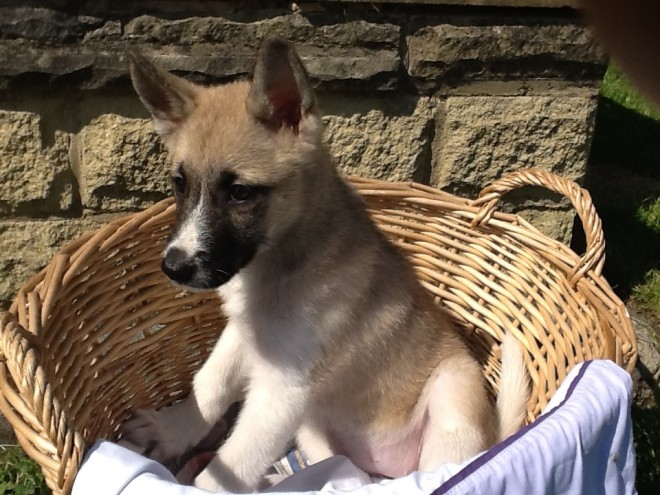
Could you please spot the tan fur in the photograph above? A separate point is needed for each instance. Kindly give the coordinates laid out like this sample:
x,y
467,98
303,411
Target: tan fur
x,y
328,323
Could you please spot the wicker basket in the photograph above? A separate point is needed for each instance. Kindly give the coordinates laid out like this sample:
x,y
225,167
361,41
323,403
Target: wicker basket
x,y
100,331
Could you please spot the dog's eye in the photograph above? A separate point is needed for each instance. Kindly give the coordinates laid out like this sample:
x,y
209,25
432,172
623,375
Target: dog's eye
x,y
240,192
179,183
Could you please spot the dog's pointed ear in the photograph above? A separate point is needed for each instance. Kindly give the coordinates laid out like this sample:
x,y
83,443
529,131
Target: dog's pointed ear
x,y
281,93
169,99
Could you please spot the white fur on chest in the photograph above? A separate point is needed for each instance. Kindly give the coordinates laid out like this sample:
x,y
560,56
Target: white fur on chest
x,y
276,338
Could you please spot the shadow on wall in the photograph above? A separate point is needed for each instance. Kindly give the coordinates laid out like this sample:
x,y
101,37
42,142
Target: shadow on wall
x,y
624,175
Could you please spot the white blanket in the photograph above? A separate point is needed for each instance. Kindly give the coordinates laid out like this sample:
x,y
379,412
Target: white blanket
x,y
581,444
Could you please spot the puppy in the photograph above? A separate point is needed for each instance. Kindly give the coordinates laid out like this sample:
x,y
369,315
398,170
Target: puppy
x,y
331,340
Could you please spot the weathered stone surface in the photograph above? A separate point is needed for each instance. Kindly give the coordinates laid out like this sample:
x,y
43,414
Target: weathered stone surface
x,y
647,372
123,164
27,246
479,139
296,28
446,54
89,67
36,178
35,23
7,436
359,53
387,141
556,223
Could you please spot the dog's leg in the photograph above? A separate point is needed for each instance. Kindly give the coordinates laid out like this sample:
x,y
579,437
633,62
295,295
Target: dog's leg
x,y
460,421
314,443
166,434
271,415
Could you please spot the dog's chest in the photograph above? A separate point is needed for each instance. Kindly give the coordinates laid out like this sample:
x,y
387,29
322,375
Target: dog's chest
x,y
276,336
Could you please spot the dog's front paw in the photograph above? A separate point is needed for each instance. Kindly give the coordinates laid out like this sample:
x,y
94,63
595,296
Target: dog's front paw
x,y
150,433
208,481
217,476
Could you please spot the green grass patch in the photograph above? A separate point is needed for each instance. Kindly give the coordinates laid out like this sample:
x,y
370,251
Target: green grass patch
x,y
617,88
20,475
649,215
647,294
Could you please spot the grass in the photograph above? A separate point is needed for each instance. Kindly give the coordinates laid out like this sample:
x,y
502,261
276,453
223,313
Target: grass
x,y
617,88
647,293
20,475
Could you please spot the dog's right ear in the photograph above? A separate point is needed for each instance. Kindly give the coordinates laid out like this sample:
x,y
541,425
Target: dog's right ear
x,y
281,93
169,99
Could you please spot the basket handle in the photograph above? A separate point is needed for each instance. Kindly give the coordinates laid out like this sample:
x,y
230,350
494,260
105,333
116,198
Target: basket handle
x,y
594,257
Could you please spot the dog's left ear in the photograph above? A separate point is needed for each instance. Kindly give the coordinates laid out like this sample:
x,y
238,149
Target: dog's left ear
x,y
281,93
169,99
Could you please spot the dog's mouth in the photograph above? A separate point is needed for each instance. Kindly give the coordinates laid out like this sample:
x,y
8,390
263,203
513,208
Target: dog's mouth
x,y
196,272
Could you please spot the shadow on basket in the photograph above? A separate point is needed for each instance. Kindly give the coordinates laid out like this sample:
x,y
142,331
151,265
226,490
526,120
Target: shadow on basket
x,y
101,331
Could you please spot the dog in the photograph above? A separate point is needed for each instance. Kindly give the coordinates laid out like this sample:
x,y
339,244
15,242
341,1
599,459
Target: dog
x,y
330,340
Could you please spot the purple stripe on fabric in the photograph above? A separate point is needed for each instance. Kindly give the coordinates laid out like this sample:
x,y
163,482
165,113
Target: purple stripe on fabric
x,y
496,449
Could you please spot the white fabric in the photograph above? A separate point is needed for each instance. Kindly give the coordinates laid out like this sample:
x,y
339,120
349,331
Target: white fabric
x,y
581,444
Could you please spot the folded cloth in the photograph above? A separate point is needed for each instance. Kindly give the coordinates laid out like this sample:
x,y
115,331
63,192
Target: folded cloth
x,y
582,443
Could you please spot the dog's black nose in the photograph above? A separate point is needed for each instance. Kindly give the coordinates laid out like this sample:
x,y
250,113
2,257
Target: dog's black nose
x,y
178,266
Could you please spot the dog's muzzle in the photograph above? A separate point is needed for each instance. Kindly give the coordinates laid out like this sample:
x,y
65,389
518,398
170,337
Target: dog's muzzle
x,y
178,266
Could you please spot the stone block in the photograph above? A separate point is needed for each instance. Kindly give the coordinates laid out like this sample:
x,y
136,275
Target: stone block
x,y
384,140
355,51
36,23
556,223
123,164
27,246
445,54
479,139
36,177
7,436
296,28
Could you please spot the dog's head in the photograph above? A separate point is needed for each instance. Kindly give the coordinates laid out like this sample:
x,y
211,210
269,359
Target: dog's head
x,y
239,153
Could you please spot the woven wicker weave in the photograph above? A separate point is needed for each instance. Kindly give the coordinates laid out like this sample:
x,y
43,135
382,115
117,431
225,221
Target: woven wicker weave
x,y
100,331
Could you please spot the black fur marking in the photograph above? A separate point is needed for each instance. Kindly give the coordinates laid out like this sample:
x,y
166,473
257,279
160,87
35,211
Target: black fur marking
x,y
234,230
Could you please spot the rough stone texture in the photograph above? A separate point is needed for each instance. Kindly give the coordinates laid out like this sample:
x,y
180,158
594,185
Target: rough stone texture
x,y
123,164
479,139
36,178
346,47
296,28
27,246
44,24
647,372
361,54
7,436
389,142
555,222
353,51
445,54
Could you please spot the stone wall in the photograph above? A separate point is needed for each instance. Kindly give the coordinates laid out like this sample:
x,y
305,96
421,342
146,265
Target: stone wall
x,y
449,95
